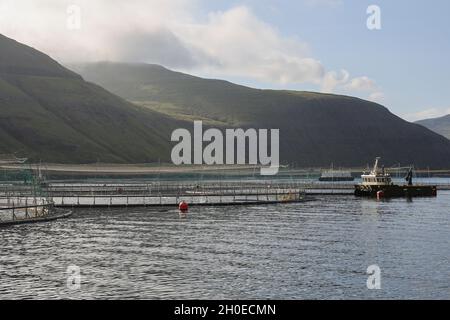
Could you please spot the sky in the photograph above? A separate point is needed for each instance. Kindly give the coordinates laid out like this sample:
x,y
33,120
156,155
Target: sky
x,y
316,45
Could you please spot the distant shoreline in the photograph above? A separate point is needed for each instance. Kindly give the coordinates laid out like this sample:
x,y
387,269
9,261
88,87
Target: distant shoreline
x,y
143,169
124,168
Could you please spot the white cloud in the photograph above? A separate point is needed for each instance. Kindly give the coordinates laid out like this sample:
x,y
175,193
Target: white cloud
x,y
341,82
104,24
232,43
244,45
332,79
361,84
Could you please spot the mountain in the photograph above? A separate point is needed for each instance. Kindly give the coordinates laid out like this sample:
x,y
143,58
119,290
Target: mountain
x,y
439,125
50,113
315,129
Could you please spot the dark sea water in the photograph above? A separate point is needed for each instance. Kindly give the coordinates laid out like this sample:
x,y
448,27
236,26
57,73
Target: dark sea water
x,y
318,249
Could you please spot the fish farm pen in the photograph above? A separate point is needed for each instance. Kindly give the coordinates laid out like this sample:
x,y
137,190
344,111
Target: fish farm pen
x,y
206,192
150,194
24,199
15,208
171,194
26,190
25,209
27,184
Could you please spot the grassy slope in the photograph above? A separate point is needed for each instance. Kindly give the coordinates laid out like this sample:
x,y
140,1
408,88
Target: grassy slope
x,y
50,113
316,129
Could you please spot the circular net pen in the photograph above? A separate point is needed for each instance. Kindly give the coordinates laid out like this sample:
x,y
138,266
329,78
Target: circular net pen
x,y
21,210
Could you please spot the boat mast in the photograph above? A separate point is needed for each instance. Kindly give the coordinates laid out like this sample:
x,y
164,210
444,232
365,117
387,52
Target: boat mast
x,y
375,167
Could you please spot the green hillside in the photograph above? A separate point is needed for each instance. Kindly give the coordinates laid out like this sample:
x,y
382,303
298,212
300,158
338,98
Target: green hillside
x,y
49,113
439,125
315,129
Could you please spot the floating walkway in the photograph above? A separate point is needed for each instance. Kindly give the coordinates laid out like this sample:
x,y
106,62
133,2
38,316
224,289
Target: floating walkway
x,y
157,194
223,198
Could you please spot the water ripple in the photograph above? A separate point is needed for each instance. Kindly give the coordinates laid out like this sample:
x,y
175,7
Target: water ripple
x,y
315,250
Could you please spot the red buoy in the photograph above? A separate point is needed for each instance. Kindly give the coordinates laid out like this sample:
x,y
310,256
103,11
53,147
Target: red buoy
x,y
380,194
183,206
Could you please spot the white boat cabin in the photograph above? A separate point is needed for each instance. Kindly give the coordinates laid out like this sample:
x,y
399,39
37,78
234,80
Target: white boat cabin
x,y
376,177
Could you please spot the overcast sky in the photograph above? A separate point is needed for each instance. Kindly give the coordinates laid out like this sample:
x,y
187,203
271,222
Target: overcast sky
x,y
319,45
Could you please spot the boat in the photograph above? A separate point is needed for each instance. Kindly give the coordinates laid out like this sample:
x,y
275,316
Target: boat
x,y
378,183
336,175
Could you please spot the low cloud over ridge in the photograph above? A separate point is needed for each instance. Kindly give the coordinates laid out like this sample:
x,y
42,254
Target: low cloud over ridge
x,y
231,43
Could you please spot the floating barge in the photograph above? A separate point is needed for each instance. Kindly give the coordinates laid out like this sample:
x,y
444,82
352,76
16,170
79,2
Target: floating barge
x,y
379,184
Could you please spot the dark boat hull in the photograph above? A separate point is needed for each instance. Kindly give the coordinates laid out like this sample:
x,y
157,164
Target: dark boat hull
x,y
396,191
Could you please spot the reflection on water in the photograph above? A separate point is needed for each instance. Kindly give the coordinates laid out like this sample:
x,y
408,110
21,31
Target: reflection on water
x,y
317,249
